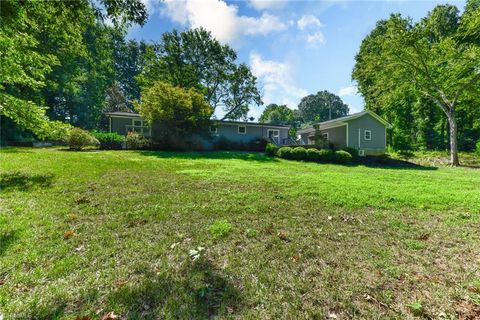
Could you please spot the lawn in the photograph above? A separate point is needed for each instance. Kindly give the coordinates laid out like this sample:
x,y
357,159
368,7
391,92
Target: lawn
x,y
151,235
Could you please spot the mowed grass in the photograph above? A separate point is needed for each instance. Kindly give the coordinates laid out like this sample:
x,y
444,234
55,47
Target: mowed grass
x,y
158,235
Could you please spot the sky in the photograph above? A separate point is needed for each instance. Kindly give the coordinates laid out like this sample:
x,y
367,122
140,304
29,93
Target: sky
x,y
294,48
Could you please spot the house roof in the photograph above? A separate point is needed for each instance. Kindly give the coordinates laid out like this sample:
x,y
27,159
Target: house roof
x,y
121,114
343,120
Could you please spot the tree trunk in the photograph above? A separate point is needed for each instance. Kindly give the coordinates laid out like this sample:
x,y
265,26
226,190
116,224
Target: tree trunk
x,y
452,121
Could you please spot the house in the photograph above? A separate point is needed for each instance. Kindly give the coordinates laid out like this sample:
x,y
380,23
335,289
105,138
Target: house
x,y
365,131
236,131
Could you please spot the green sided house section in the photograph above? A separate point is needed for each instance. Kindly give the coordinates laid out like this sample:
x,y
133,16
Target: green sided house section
x,y
124,122
237,131
364,131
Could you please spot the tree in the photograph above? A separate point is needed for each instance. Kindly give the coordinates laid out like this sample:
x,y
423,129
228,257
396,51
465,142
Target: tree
x,y
322,106
174,113
194,59
36,37
437,58
277,114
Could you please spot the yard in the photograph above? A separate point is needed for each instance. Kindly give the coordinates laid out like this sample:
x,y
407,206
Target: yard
x,y
234,235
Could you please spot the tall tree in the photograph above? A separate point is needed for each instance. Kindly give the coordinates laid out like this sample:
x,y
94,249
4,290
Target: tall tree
x,y
35,38
277,114
194,59
322,106
437,58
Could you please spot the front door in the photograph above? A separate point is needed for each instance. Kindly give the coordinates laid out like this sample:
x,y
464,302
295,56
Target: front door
x,y
274,134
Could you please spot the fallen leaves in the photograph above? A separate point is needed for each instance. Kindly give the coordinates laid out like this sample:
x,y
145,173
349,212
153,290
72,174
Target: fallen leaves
x,y
68,234
467,310
109,316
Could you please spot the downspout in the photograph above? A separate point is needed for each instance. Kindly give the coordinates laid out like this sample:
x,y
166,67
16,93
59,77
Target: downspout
x,y
359,138
110,123
347,135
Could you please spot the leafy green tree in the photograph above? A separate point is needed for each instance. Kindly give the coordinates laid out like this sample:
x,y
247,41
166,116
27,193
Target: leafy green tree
x,y
277,114
44,46
174,113
435,58
321,106
194,59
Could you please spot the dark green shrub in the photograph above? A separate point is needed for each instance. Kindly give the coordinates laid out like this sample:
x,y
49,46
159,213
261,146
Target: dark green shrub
x,y
343,157
477,149
313,155
135,141
325,155
285,152
270,149
109,140
299,153
353,152
77,139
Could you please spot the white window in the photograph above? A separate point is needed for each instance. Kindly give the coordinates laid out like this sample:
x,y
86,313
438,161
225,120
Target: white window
x,y
213,129
242,129
138,123
367,135
274,134
325,135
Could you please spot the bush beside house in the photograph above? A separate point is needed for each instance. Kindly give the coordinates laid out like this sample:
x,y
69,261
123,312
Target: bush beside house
x,y
477,149
109,140
270,149
78,139
315,155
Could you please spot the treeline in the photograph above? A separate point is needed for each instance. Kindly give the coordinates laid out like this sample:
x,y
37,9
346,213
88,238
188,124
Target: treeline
x,y
65,63
423,77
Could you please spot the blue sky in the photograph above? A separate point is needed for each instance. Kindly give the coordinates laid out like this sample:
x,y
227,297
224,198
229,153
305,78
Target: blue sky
x,y
295,48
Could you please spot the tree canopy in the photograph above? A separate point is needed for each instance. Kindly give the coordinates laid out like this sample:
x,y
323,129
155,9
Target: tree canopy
x,y
321,106
404,66
194,59
56,54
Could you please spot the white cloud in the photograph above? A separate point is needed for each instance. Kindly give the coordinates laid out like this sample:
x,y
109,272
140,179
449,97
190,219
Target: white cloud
x,y
348,91
308,20
266,4
276,78
315,38
220,18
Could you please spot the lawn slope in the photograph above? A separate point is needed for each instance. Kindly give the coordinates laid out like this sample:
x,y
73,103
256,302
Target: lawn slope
x,y
87,233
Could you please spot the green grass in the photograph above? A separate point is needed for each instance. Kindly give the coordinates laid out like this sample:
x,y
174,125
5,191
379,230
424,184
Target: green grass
x,y
233,235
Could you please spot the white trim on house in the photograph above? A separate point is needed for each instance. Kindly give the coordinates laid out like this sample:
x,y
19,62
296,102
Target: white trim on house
x,y
275,135
242,126
359,133
325,135
110,123
369,135
347,135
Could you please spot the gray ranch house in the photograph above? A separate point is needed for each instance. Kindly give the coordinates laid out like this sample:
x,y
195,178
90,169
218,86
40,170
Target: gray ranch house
x,y
365,131
236,131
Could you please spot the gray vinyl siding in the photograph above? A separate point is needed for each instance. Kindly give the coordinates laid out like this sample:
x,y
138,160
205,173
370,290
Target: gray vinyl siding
x,y
374,146
336,136
253,132
119,124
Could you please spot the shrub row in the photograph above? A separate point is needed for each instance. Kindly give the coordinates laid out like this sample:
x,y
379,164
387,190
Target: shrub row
x,y
78,139
315,155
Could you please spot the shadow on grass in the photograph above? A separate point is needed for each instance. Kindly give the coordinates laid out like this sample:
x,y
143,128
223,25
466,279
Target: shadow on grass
x,y
238,155
14,150
389,163
23,181
202,293
6,240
